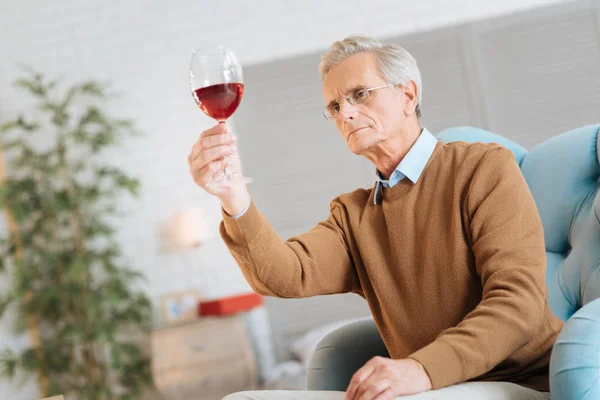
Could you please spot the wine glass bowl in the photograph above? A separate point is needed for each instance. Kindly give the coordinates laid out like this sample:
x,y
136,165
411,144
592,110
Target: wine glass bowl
x,y
219,101
217,86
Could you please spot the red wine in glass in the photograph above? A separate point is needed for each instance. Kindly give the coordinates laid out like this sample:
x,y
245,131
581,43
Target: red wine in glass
x,y
217,85
219,101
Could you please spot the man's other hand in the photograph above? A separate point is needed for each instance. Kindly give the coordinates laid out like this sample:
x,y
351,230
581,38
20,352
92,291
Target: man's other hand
x,y
384,379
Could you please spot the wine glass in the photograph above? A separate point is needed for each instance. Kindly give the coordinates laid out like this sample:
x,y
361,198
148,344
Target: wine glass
x,y
217,86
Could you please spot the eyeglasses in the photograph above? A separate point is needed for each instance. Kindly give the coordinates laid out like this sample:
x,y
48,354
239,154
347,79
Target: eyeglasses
x,y
357,96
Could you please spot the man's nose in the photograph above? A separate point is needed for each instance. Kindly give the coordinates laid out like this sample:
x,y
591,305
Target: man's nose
x,y
347,110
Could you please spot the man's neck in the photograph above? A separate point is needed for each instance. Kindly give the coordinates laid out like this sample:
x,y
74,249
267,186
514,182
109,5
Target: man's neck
x,y
387,164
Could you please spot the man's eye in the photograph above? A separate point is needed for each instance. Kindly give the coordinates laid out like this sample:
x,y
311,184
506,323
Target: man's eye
x,y
360,95
335,107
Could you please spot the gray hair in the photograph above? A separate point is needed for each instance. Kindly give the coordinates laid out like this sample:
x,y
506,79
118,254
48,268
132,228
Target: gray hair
x,y
396,65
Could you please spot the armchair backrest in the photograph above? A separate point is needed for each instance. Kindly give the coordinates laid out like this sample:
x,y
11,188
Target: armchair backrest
x,y
563,174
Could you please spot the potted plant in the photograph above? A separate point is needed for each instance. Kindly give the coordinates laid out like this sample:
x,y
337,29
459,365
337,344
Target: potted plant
x,y
68,283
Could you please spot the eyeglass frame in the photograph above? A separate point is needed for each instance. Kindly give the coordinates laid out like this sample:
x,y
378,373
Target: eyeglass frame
x,y
347,98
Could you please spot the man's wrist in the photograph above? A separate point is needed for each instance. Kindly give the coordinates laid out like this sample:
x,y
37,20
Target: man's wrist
x,y
421,368
238,206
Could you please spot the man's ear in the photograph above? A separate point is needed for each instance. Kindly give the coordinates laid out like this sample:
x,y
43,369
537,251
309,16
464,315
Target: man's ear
x,y
411,94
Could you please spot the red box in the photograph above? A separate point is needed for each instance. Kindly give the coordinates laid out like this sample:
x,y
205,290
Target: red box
x,y
229,305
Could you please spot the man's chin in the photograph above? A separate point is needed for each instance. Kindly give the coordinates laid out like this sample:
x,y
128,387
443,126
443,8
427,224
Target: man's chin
x,y
356,148
359,144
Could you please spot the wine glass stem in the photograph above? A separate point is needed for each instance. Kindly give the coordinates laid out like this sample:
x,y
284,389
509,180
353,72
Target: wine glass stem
x,y
226,175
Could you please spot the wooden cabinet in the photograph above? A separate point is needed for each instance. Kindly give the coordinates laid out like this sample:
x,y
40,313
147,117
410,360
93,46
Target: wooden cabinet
x,y
204,360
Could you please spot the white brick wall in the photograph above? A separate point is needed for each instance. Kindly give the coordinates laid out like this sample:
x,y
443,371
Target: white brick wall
x,y
143,49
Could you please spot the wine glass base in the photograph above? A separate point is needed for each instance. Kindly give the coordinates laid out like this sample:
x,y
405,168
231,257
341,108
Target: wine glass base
x,y
226,179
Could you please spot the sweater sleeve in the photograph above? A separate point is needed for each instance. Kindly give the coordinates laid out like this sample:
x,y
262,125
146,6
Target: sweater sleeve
x,y
314,263
507,240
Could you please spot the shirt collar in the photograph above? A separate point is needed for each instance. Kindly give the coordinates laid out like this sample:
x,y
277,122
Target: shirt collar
x,y
413,163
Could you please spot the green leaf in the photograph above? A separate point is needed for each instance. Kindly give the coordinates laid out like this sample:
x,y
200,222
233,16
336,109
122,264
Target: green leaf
x,y
128,274
95,227
136,374
47,302
72,333
91,193
68,98
8,363
26,126
80,136
102,139
106,332
20,211
92,115
116,357
33,87
120,179
14,143
60,118
124,124
21,323
129,350
4,194
28,360
47,106
79,166
62,201
133,187
92,88
5,301
57,353
12,249
55,388
8,126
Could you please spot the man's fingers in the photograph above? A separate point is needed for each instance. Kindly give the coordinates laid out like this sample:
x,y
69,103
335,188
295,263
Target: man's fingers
x,y
216,140
359,376
383,379
215,130
388,394
209,155
214,148
372,387
209,172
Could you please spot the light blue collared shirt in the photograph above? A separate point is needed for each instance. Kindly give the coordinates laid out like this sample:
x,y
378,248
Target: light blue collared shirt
x,y
412,164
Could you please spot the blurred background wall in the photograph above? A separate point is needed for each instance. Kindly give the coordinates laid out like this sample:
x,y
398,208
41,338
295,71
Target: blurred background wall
x,y
526,69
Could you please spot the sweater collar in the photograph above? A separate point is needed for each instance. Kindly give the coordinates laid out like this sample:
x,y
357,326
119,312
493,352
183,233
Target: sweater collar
x,y
413,163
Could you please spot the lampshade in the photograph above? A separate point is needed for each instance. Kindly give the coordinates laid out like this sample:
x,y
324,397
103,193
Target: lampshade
x,y
187,228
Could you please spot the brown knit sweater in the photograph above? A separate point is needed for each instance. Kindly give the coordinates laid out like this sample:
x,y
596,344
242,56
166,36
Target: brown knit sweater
x,y
453,267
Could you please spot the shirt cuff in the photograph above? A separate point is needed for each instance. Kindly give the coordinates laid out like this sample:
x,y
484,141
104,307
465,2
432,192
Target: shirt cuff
x,y
245,229
236,216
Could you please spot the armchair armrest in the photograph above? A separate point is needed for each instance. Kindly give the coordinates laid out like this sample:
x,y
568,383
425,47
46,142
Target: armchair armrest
x,y
341,353
575,361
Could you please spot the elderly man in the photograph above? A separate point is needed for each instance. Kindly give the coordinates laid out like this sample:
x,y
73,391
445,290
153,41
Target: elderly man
x,y
447,247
